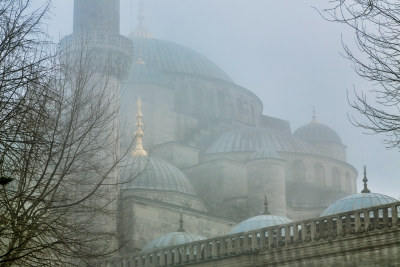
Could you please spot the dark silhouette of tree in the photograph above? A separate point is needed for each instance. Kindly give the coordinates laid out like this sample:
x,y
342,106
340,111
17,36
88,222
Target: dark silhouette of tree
x,y
376,24
58,146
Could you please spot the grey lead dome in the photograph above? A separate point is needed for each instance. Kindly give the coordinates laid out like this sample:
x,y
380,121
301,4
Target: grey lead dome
x,y
155,174
317,133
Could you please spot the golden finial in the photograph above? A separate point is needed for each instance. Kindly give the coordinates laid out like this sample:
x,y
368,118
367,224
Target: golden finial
x,y
314,117
140,60
139,151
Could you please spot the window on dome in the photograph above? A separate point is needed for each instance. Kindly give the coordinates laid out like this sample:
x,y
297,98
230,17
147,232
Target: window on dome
x,y
319,175
336,178
348,183
298,171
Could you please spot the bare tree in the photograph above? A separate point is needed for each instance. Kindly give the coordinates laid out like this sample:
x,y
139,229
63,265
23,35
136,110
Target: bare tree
x,y
59,146
376,24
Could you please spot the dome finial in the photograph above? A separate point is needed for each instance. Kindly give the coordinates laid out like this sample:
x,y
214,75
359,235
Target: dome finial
x,y
139,151
314,116
266,211
141,31
365,180
181,229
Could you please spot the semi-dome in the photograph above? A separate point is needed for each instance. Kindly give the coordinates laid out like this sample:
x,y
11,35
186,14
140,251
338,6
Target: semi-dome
x,y
169,58
357,201
251,139
315,132
143,172
257,222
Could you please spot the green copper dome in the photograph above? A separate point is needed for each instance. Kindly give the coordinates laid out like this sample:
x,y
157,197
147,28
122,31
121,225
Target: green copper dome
x,y
143,172
162,58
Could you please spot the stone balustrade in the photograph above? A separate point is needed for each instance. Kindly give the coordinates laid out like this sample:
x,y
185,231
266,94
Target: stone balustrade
x,y
312,230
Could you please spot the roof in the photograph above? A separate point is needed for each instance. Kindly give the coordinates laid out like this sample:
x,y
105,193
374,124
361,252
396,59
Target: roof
x,y
172,239
154,173
257,222
251,139
315,132
167,57
357,201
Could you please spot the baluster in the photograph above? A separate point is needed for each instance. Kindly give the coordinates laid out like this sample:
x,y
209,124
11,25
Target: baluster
x,y
385,217
176,255
206,250
313,230
169,257
191,252
339,225
295,233
237,243
229,246
304,232
348,224
270,238
162,258
357,222
287,235
395,218
262,239
222,249
367,221
147,260
245,241
254,243
376,219
214,249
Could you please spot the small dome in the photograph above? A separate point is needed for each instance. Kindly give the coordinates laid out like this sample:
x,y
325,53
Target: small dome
x,y
357,201
172,239
170,58
266,153
156,174
315,132
257,222
249,139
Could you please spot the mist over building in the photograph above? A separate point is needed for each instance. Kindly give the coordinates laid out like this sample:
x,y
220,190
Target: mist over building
x,y
207,161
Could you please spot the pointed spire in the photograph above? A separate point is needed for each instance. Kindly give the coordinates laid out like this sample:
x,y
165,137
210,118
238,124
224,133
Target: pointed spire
x,y
266,211
314,116
139,151
365,180
181,229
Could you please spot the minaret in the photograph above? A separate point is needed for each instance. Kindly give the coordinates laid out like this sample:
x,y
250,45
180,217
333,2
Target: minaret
x,y
96,16
96,51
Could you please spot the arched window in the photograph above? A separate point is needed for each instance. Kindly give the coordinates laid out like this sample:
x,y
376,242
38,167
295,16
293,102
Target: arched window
x,y
319,174
239,106
336,179
349,187
221,103
252,114
298,171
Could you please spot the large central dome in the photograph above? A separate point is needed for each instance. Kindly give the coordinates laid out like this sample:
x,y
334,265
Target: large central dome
x,y
170,58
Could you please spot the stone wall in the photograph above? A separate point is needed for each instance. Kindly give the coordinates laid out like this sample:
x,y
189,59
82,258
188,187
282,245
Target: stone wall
x,y
366,237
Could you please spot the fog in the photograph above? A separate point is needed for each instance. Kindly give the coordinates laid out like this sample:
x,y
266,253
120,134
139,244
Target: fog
x,y
283,51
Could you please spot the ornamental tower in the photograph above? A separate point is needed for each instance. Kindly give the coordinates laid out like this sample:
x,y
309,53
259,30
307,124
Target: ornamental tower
x,y
97,51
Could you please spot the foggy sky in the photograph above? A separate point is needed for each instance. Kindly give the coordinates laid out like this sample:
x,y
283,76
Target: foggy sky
x,y
281,50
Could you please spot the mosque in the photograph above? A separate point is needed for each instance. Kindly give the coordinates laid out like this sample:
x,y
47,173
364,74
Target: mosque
x,y
207,161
